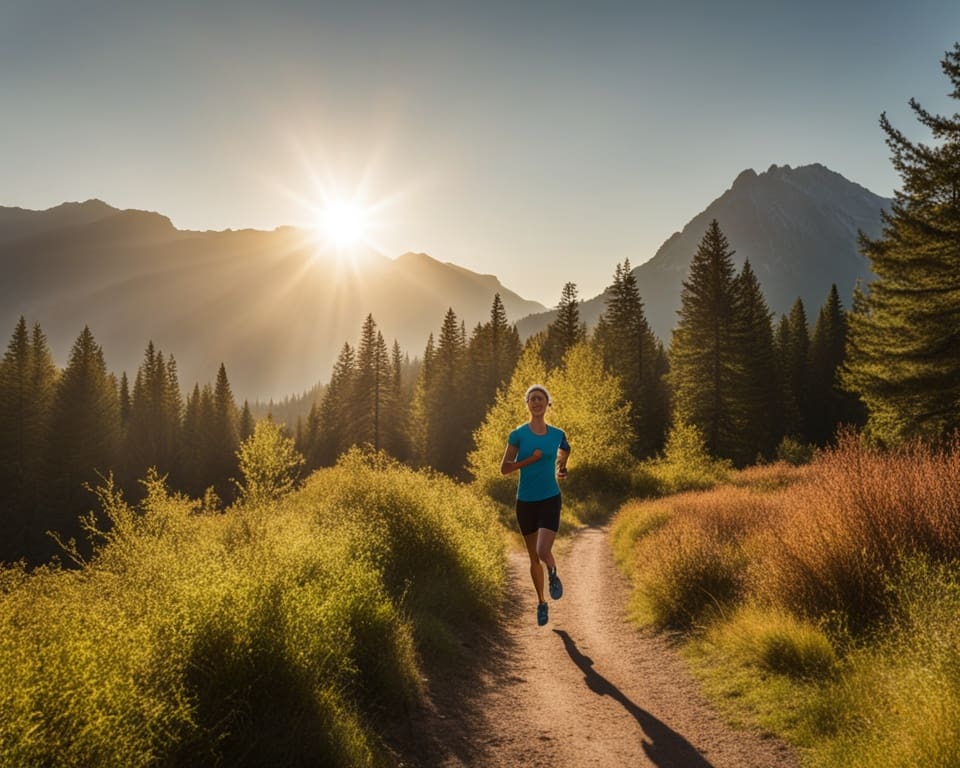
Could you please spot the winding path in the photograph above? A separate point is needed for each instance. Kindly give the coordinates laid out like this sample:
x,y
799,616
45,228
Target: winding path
x,y
588,689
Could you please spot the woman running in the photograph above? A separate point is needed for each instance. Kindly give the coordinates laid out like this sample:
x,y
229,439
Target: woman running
x,y
540,452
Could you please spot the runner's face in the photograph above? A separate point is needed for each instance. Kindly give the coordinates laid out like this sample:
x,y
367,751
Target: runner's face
x,y
537,403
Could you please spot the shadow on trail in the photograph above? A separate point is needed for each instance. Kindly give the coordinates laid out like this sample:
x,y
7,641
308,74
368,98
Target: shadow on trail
x,y
663,746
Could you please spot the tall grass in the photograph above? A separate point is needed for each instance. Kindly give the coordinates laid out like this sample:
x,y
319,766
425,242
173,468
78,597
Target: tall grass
x,y
844,535
280,634
820,601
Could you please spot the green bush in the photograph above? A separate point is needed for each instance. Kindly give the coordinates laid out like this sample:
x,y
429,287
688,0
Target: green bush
x,y
794,452
686,465
268,635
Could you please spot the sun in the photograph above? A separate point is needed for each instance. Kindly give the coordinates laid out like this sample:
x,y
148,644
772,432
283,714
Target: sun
x,y
344,224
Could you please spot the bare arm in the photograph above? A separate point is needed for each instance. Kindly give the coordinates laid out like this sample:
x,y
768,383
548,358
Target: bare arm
x,y
510,464
562,462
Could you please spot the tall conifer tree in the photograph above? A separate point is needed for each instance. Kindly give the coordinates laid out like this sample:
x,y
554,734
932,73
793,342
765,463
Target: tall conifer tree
x,y
225,437
491,357
566,330
447,437
795,354
84,433
631,351
756,399
336,418
703,360
830,405
905,359
373,389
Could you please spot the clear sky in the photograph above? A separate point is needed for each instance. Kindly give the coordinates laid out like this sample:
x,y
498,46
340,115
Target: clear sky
x,y
541,141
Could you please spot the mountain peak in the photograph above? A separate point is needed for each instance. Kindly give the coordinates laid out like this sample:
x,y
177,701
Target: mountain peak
x,y
798,227
744,178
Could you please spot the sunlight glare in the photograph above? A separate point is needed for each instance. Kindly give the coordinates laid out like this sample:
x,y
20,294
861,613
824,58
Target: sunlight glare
x,y
344,224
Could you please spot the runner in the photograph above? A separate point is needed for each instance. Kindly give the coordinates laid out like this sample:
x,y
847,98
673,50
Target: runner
x,y
540,452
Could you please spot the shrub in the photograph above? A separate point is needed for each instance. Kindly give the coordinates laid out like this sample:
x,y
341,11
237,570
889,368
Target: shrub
x,y
686,464
846,532
267,635
269,464
695,562
792,451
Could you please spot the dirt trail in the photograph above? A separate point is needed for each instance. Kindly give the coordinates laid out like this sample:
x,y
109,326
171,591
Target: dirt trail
x,y
588,689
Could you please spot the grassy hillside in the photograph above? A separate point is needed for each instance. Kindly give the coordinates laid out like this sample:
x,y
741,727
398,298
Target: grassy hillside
x,y
820,602
284,634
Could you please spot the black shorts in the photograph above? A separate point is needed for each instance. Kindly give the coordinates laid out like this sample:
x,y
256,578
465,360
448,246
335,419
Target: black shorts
x,y
533,515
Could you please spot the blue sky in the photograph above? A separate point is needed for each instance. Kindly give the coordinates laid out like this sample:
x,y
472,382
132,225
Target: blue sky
x,y
542,142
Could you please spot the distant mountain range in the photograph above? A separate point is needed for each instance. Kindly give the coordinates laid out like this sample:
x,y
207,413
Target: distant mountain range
x,y
277,312
269,305
798,227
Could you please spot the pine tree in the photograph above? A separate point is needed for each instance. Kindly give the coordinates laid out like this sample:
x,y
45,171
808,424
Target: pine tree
x,y
789,422
44,377
373,392
756,399
16,415
395,433
152,434
830,405
309,443
703,360
246,424
905,355
795,357
566,330
225,437
336,418
630,350
491,356
126,402
447,435
84,436
194,451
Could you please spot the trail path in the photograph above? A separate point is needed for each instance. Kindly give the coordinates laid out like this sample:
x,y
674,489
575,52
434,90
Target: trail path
x,y
588,689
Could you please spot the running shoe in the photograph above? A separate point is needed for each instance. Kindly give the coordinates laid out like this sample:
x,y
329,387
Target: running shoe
x,y
542,614
556,587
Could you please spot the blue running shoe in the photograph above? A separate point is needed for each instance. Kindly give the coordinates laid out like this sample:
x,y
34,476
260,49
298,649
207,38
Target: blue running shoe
x,y
556,587
542,614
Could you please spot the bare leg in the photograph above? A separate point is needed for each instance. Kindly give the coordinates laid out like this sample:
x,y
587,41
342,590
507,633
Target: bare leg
x,y
545,539
536,570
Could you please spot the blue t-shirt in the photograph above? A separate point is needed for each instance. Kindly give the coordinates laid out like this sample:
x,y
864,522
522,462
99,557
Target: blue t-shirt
x,y
538,481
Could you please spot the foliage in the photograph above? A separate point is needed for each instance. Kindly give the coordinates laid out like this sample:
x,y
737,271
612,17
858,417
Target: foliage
x,y
692,560
508,411
830,405
566,330
265,636
794,452
686,464
758,403
905,349
873,509
704,361
823,598
794,350
28,380
587,403
269,464
631,351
